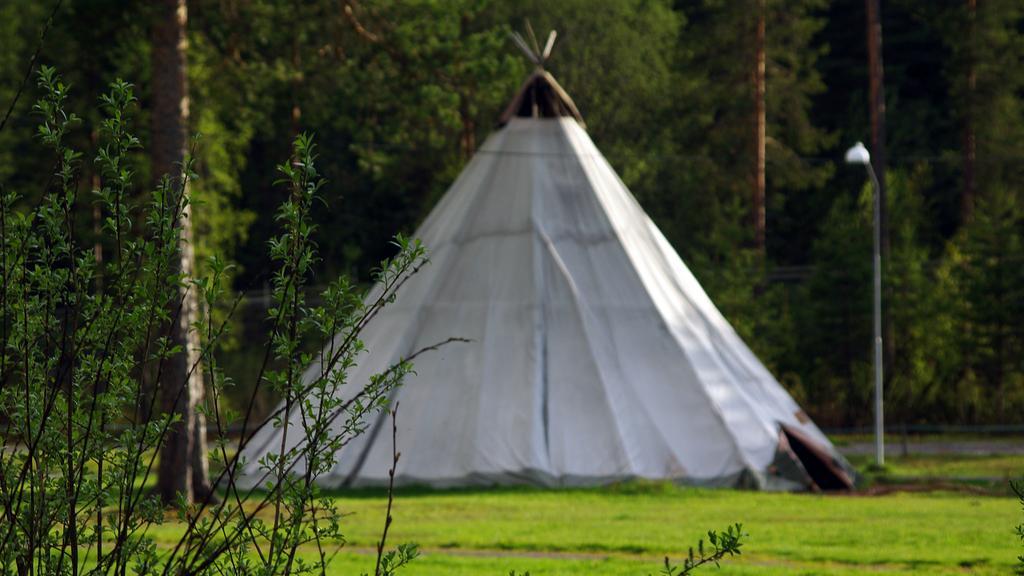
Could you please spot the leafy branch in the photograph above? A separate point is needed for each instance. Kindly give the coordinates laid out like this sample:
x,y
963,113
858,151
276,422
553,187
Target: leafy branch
x,y
724,543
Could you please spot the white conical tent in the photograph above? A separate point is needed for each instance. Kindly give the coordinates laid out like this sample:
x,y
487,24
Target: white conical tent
x,y
595,355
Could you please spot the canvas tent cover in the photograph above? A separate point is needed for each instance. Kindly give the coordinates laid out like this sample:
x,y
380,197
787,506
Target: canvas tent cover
x,y
595,354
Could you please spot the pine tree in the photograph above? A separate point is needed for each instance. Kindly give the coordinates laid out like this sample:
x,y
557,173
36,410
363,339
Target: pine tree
x,y
711,183
989,258
986,88
921,306
835,321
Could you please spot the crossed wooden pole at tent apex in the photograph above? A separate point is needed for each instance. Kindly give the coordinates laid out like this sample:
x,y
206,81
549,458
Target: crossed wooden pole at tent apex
x,y
534,53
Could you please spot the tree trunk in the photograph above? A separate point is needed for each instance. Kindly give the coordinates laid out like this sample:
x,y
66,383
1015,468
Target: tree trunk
x,y
876,76
970,137
183,467
201,488
757,172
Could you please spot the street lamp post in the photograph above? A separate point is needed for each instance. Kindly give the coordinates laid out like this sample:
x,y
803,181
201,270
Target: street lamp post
x,y
859,155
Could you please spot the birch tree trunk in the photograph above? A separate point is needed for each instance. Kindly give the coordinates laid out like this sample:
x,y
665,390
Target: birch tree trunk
x,y
183,468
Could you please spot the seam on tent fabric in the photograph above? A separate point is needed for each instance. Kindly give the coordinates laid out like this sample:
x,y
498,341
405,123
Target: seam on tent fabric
x,y
564,272
541,327
488,322
545,389
582,310
631,389
715,408
587,241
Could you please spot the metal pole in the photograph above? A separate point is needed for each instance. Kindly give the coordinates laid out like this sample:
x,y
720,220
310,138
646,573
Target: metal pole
x,y
879,422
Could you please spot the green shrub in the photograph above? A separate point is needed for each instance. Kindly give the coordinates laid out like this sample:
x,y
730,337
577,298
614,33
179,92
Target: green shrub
x,y
77,336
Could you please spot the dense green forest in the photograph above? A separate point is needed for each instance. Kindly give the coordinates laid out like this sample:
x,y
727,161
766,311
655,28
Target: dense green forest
x,y
740,165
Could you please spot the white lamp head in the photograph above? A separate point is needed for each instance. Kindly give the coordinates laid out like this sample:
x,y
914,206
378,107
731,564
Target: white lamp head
x,y
858,154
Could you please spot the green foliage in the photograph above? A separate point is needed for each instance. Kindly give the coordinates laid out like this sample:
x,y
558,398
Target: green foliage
x,y
19,28
839,310
986,260
221,227
712,111
392,560
983,71
78,333
921,302
70,353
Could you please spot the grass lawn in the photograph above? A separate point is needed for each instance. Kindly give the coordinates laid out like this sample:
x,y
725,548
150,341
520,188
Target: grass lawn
x,y
996,467
968,528
628,530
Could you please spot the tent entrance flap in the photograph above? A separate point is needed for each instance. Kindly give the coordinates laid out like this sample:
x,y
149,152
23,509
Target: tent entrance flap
x,y
820,466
